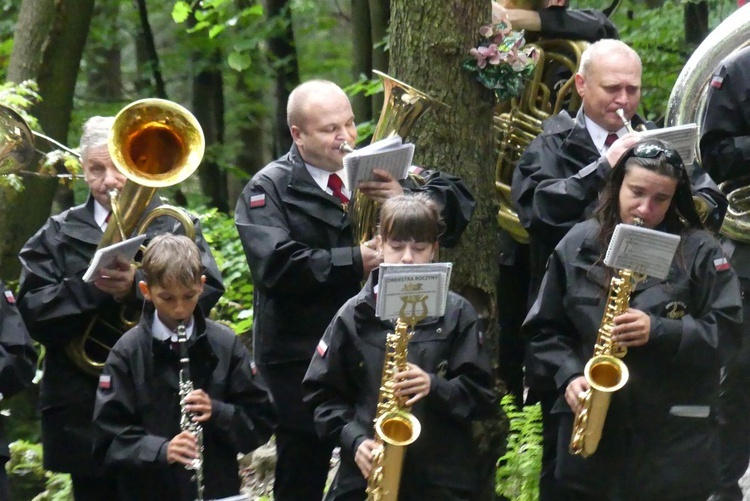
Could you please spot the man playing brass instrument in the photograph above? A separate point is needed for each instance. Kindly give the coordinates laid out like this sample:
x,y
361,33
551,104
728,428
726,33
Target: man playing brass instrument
x,y
58,307
725,150
305,263
557,181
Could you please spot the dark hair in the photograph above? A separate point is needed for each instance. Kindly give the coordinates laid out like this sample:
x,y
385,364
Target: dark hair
x,y
659,157
410,217
172,258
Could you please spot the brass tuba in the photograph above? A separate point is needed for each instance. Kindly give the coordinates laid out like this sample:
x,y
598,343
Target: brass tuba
x,y
519,121
687,104
154,143
402,106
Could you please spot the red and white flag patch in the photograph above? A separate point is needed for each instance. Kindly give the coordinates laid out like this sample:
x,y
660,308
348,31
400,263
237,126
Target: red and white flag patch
x,y
9,297
105,381
253,368
322,348
717,81
258,201
721,264
416,170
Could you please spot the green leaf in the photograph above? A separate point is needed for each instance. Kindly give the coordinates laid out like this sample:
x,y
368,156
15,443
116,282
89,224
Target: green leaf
x,y
239,61
180,12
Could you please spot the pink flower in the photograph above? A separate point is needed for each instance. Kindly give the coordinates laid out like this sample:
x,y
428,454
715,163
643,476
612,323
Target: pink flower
x,y
486,31
491,53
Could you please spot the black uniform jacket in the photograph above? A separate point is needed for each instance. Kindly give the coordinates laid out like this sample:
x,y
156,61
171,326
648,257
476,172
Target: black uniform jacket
x,y
343,382
57,306
557,180
576,24
725,140
17,358
660,436
302,255
138,411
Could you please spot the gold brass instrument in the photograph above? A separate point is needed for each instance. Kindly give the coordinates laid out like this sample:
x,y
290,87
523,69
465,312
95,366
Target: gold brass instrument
x,y
186,417
154,143
402,107
687,104
519,121
17,150
604,372
395,426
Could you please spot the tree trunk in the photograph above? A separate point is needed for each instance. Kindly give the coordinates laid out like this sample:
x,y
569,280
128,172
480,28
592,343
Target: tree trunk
x,y
48,42
380,18
208,105
361,56
281,48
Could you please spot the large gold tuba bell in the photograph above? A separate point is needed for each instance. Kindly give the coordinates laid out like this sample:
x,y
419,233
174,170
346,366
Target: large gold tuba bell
x,y
402,106
687,104
154,143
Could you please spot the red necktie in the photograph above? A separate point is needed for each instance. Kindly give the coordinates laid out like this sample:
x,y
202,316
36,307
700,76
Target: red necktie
x,y
611,138
335,183
106,219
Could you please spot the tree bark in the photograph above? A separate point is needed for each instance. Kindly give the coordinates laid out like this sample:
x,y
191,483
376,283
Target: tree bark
x,y
281,48
380,18
361,57
49,39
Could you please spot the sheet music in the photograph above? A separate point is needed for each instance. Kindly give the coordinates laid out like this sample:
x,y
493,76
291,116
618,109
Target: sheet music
x,y
641,250
390,154
105,257
412,289
683,138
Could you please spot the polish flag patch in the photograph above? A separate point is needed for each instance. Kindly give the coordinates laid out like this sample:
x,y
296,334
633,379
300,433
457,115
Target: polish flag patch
x,y
258,201
717,81
415,169
721,264
322,348
9,297
105,381
253,368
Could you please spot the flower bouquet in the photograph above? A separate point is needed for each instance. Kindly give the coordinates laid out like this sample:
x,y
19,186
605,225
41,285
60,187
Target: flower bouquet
x,y
500,62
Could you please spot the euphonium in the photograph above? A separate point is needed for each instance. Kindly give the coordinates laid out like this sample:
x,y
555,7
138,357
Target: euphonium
x,y
402,106
604,372
395,426
687,104
186,417
154,143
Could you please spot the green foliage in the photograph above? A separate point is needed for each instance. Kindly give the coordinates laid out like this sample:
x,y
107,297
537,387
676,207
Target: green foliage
x,y
517,475
29,480
235,308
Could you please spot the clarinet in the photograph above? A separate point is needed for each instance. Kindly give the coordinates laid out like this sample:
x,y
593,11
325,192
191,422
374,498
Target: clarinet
x,y
186,417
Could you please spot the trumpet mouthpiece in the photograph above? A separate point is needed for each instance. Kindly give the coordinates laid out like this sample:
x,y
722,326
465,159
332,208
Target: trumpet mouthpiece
x,y
345,148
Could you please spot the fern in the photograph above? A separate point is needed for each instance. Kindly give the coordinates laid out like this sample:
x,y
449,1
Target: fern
x,y
517,475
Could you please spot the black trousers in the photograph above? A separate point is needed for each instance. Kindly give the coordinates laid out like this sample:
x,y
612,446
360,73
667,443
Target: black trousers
x,y
303,460
94,488
734,411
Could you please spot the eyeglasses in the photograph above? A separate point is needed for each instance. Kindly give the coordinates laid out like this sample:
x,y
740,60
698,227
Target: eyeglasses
x,y
651,150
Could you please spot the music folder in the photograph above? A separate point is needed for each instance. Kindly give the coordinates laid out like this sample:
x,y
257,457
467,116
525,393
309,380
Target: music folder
x,y
641,250
412,290
390,154
105,257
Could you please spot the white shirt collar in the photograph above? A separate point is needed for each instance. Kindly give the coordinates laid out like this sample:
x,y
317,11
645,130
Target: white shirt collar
x,y
599,134
100,215
320,177
161,332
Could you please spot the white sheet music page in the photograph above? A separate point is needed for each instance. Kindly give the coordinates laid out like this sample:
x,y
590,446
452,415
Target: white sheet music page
x,y
390,154
412,290
683,138
641,250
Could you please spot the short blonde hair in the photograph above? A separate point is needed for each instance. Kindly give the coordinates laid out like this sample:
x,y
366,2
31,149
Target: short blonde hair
x,y
172,259
605,47
302,94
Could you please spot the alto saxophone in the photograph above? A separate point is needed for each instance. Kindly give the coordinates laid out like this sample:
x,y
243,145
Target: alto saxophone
x,y
395,426
604,372
186,417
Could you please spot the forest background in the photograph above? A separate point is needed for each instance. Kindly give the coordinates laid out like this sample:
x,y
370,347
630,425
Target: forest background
x,y
233,63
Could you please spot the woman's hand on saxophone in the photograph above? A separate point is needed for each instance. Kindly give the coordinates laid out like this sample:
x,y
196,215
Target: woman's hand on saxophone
x,y
575,392
363,456
182,449
413,383
199,404
632,328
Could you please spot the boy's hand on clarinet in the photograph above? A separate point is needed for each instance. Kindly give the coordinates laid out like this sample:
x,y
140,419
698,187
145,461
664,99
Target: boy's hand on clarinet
x,y
199,403
182,449
363,456
413,383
